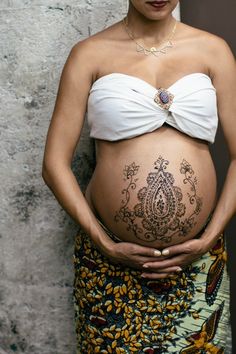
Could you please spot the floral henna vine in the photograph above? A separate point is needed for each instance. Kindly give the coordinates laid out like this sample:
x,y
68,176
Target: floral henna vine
x,y
188,223
125,214
160,206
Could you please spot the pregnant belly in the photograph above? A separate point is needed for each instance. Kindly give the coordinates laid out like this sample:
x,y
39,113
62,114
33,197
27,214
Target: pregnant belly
x,y
156,190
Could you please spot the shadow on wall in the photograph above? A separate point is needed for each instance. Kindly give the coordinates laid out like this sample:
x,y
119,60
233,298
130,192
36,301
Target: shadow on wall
x,y
218,17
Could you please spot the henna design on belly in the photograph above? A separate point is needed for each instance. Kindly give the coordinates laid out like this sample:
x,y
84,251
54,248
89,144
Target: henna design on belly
x,y
160,206
125,214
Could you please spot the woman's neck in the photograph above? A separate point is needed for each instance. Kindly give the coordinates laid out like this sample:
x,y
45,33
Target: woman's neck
x,y
152,31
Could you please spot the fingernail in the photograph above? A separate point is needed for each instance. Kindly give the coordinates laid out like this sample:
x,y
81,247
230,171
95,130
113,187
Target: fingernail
x,y
157,253
143,275
145,266
165,252
179,270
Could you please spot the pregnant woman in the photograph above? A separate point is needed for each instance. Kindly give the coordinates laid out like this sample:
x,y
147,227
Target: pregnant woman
x,y
150,258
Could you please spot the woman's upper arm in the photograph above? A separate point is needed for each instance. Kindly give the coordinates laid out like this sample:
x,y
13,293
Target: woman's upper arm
x,y
70,106
224,80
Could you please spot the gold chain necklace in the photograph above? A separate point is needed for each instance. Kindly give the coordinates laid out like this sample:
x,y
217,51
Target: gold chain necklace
x,y
156,51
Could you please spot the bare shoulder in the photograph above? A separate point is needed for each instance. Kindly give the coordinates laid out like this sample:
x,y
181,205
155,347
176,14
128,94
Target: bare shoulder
x,y
87,56
212,43
93,49
99,38
214,49
218,54
207,41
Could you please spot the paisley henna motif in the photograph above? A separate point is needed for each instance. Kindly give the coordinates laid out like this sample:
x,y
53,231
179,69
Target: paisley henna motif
x,y
160,203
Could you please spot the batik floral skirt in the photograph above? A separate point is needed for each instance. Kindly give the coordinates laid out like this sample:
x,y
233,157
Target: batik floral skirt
x,y
117,311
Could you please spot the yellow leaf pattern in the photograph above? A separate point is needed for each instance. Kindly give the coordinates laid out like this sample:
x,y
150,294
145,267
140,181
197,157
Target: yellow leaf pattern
x,y
117,311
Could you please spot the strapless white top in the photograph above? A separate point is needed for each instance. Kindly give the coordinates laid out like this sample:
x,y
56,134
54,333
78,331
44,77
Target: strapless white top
x,y
122,106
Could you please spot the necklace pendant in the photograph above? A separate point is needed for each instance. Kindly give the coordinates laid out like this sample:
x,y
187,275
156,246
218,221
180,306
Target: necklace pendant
x,y
141,49
164,98
156,51
169,44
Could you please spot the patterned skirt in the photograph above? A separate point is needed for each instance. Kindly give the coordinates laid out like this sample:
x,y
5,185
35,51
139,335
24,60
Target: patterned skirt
x,y
118,311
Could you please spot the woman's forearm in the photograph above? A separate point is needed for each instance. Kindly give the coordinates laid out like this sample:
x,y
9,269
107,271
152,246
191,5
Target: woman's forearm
x,y
225,208
63,184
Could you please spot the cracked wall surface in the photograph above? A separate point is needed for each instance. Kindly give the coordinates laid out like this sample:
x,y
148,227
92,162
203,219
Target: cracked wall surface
x,y
36,236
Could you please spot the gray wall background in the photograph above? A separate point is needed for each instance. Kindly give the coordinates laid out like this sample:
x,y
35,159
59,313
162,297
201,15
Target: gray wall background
x,y
36,236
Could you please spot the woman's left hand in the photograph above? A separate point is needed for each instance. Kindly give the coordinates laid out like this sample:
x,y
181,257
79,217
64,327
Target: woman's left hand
x,y
180,255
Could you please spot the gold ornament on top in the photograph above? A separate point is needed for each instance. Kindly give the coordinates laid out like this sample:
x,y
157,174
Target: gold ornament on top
x,y
164,98
162,48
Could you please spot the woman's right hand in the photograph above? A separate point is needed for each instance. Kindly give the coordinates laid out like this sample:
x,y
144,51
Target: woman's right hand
x,y
135,256
131,254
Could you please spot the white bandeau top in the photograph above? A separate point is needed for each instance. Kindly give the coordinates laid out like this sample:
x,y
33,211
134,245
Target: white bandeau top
x,y
122,106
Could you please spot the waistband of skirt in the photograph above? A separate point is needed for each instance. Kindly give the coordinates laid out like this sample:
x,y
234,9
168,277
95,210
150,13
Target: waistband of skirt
x,y
109,232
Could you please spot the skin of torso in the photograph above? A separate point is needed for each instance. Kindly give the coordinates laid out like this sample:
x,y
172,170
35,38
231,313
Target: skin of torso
x,y
157,189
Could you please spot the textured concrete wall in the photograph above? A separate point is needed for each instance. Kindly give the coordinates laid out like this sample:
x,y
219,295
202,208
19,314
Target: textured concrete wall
x,y
36,236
